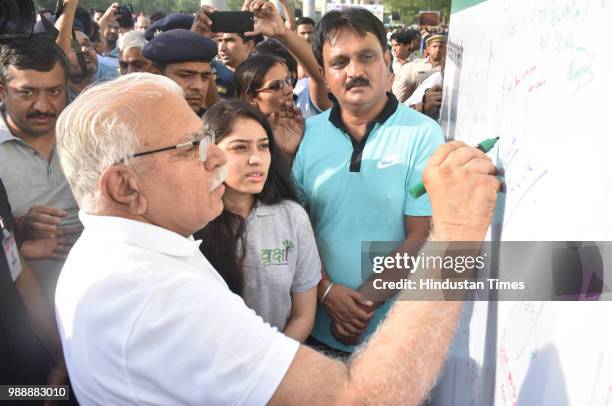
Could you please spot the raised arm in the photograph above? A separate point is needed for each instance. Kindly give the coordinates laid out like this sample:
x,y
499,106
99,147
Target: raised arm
x,y
289,16
202,25
64,25
269,23
109,15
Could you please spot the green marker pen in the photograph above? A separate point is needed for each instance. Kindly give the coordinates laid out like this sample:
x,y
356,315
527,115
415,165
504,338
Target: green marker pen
x,y
485,146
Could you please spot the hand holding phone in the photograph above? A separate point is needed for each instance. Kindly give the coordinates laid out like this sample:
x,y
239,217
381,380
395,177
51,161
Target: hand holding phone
x,y
268,20
203,21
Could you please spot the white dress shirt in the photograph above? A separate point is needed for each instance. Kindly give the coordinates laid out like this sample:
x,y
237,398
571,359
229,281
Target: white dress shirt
x,y
145,319
417,97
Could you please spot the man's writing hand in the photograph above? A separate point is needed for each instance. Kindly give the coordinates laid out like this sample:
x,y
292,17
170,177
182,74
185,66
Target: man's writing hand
x,y
462,188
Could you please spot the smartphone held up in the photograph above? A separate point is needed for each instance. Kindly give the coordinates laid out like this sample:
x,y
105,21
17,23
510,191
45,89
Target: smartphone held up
x,y
232,21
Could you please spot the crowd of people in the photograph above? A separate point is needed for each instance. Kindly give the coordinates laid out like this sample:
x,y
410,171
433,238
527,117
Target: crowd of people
x,y
183,210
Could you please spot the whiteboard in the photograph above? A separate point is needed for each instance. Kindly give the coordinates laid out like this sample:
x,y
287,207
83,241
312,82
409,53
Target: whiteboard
x,y
538,74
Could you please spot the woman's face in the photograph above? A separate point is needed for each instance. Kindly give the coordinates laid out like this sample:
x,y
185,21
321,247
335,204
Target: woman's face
x,y
276,90
248,156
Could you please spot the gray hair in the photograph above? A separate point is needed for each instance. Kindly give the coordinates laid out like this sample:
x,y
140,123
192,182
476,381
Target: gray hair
x,y
98,130
132,39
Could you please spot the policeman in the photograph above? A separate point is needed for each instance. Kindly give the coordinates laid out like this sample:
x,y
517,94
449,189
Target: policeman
x,y
184,57
224,77
411,75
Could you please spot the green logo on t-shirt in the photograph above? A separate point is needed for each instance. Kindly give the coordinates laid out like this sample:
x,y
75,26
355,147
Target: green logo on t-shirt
x,y
277,256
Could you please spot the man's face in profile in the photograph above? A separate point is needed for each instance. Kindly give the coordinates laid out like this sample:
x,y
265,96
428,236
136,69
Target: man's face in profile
x,y
177,175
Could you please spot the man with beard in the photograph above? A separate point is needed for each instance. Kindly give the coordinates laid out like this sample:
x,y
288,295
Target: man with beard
x,y
33,80
110,29
111,36
184,56
411,75
354,167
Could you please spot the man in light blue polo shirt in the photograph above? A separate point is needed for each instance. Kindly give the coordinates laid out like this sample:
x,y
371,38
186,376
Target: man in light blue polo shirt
x,y
354,168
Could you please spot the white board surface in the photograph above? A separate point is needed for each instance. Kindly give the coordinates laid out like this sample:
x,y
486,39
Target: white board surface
x,y
537,74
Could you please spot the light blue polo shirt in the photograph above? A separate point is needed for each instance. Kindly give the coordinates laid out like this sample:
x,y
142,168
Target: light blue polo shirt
x,y
358,192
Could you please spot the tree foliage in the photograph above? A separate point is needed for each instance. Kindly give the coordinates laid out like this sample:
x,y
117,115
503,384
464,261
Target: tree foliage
x,y
409,9
146,6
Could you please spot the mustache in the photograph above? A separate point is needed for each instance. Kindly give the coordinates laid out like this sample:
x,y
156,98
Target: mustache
x,y
38,114
359,81
217,178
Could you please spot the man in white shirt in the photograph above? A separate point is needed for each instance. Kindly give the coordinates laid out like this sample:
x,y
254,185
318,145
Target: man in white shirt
x,y
427,98
405,48
144,318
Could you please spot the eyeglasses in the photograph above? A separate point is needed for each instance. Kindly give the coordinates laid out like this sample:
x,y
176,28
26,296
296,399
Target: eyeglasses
x,y
277,85
202,145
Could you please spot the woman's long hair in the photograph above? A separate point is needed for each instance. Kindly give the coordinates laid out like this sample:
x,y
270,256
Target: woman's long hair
x,y
224,240
250,75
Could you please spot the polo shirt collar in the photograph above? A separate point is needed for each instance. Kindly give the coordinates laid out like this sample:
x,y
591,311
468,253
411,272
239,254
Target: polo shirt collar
x,y
262,210
265,209
5,133
336,119
139,234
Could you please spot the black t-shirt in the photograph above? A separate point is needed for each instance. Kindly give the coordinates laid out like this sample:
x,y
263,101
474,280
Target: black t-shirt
x,y
23,359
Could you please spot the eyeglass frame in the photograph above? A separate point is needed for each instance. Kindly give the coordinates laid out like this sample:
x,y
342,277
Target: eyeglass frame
x,y
202,144
287,81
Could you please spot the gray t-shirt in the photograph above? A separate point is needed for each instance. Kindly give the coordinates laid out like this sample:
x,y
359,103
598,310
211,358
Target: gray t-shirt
x,y
281,258
31,180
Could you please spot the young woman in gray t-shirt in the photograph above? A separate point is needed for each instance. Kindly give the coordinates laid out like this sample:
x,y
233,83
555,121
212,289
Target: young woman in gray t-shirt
x,y
262,244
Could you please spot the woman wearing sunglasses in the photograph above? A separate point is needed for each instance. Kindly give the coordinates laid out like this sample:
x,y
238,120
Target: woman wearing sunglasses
x,y
262,244
265,82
